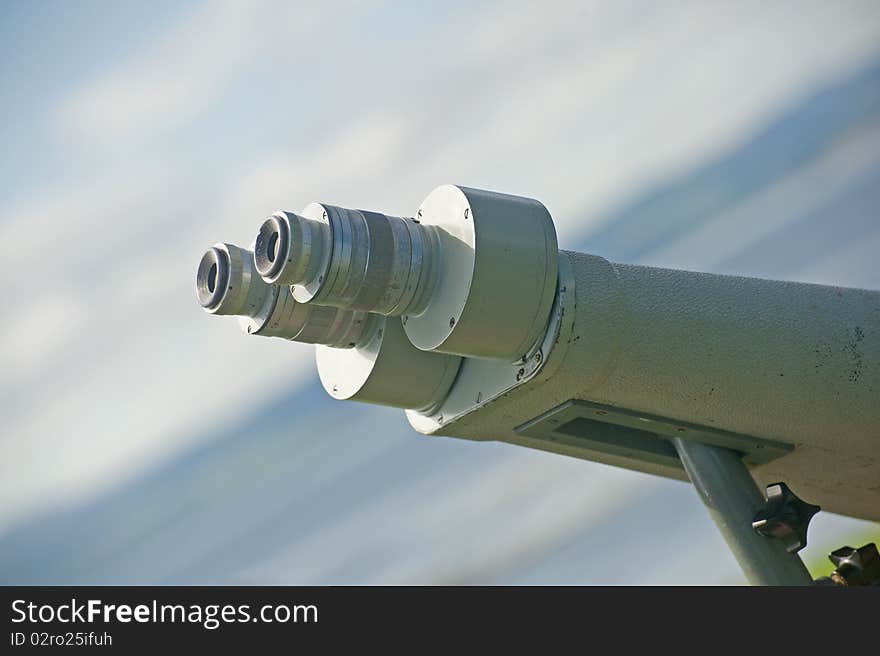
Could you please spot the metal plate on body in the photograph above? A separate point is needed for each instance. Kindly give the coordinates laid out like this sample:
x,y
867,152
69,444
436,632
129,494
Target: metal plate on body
x,y
481,381
639,436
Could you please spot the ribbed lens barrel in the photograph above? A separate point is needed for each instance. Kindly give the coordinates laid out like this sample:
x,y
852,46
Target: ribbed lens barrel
x,y
227,284
211,278
290,249
350,259
317,324
474,275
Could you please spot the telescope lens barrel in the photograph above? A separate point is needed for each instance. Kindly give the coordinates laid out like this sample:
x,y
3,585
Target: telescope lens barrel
x,y
290,249
227,284
349,259
212,278
474,275
272,240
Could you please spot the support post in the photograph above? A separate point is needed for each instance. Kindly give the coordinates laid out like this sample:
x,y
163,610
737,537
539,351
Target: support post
x,y
729,492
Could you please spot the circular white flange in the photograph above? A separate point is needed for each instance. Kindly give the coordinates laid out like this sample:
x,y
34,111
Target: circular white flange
x,y
387,370
306,292
496,274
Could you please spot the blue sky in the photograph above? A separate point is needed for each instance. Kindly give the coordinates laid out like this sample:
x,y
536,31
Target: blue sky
x,y
136,135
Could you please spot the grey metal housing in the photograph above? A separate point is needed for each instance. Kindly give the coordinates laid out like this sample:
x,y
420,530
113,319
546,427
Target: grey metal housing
x,y
793,363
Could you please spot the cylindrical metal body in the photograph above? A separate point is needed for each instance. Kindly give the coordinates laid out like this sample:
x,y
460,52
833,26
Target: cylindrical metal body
x,y
496,277
732,498
794,362
782,361
387,369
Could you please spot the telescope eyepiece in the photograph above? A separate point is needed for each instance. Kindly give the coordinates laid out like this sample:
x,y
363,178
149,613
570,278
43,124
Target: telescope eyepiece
x,y
289,249
212,278
226,283
473,273
271,247
351,259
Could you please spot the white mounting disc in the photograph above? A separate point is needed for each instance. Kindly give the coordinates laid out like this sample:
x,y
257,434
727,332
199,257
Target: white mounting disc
x,y
496,275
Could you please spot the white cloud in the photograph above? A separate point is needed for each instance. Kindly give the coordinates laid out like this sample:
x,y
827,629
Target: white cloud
x,y
785,201
511,512
578,107
107,366
191,67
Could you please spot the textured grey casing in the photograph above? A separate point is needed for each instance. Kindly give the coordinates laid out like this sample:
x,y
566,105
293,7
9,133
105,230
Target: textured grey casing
x,y
788,362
